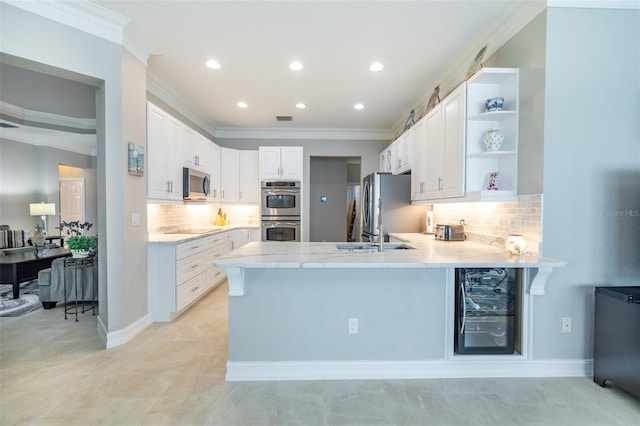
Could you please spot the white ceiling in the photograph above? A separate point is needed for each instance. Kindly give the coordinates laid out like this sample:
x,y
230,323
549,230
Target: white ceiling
x,y
417,41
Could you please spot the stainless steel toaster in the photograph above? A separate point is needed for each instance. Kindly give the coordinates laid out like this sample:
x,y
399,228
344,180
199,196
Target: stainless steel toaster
x,y
450,232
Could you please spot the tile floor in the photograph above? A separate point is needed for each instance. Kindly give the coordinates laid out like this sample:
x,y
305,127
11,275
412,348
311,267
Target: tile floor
x,y
54,371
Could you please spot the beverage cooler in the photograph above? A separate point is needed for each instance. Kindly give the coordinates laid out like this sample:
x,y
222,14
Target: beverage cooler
x,y
486,310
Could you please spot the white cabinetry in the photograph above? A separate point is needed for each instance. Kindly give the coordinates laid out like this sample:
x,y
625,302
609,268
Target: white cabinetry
x,y
182,273
164,142
488,83
229,176
215,161
249,179
242,236
385,160
196,151
281,163
438,147
400,150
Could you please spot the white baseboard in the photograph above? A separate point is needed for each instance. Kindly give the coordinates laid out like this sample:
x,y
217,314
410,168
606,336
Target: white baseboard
x,y
437,369
120,337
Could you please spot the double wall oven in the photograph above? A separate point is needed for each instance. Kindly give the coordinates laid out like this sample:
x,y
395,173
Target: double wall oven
x,y
280,210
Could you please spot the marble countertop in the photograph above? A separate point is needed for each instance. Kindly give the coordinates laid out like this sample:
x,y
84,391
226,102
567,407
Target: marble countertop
x,y
427,253
178,237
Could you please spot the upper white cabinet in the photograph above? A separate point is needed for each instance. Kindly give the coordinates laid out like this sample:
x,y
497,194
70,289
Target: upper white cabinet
x,y
385,160
280,163
164,166
195,150
438,140
400,153
215,160
481,160
229,175
249,180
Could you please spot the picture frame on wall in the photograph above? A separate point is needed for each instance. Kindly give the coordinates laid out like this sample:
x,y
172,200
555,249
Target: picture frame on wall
x,y
136,159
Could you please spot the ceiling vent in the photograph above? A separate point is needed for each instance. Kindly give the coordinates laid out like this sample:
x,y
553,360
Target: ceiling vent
x,y
284,118
8,126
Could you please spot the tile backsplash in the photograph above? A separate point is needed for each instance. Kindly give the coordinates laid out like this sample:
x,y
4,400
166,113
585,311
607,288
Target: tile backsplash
x,y
491,222
161,216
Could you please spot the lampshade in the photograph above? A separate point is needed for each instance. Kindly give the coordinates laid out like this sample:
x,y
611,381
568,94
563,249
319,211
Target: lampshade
x,y
42,209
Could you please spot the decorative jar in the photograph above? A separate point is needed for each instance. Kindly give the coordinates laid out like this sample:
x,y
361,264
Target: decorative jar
x,y
493,140
494,104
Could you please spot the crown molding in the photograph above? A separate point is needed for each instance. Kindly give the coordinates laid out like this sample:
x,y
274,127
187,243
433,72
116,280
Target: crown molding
x,y
79,14
303,133
47,120
596,4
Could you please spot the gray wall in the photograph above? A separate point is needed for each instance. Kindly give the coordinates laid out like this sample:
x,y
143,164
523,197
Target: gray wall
x,y
328,220
29,173
398,320
591,209
33,42
526,51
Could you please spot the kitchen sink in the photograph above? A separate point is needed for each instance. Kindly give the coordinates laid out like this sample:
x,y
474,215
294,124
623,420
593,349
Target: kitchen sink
x,y
371,247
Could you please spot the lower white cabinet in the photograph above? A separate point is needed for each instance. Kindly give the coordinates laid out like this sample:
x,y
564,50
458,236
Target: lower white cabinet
x,y
181,273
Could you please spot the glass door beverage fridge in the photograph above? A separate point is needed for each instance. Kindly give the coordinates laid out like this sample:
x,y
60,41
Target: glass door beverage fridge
x,y
486,310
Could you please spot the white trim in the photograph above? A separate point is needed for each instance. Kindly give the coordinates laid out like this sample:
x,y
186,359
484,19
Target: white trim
x,y
303,133
120,337
595,4
46,118
80,14
387,370
136,48
235,278
539,282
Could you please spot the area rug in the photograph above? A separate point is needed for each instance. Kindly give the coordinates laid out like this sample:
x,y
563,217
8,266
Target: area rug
x,y
28,301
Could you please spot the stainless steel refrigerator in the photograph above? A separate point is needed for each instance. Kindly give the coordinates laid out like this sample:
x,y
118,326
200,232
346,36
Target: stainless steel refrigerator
x,y
398,215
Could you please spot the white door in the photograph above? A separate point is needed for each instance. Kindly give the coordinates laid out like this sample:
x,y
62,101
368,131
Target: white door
x,y
72,204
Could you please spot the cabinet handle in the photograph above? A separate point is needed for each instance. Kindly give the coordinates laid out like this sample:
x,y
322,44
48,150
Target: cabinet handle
x,y
439,184
215,193
168,186
194,266
195,288
399,163
240,195
194,247
223,194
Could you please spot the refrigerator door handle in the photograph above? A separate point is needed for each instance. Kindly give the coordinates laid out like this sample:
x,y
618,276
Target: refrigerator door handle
x,y
463,304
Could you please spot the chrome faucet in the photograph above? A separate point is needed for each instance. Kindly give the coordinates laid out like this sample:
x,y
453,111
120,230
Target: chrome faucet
x,y
380,226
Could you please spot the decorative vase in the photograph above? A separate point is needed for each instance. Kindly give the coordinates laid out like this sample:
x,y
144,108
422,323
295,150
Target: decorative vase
x,y
79,253
493,140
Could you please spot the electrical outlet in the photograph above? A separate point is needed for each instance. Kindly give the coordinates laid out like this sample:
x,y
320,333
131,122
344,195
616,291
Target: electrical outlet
x,y
566,325
353,325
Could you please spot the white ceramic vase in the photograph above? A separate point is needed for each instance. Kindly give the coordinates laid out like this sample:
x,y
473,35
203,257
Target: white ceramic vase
x,y
493,140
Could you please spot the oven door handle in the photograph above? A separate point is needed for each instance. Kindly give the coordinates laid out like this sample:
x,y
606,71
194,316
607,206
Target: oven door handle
x,y
275,224
281,191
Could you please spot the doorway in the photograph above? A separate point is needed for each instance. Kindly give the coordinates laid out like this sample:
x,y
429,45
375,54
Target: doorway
x,y
334,193
72,199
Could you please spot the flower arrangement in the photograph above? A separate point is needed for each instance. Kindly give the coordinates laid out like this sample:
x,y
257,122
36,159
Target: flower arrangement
x,y
77,238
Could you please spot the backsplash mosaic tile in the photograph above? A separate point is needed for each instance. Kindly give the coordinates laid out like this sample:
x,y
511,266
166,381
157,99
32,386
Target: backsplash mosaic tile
x,y
162,216
490,223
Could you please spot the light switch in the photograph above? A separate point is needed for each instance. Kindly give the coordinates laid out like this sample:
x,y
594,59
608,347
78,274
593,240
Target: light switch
x,y
135,219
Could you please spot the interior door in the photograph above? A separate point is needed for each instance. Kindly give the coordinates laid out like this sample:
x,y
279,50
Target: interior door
x,y
72,199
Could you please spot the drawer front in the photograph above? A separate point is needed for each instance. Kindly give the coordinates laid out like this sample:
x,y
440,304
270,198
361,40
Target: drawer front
x,y
191,290
191,266
192,247
215,276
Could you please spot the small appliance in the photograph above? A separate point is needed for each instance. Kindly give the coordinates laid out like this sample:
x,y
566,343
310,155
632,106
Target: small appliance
x,y
196,185
450,232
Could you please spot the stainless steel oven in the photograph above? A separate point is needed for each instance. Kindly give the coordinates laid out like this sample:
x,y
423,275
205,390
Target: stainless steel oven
x,y
281,228
280,198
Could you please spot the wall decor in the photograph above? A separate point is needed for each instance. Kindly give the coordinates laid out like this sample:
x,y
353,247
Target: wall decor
x,y
136,159
477,62
433,100
411,120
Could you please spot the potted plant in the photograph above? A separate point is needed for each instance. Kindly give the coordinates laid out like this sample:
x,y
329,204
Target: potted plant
x,y
78,240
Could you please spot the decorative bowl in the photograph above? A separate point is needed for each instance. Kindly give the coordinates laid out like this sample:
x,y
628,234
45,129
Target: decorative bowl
x,y
494,104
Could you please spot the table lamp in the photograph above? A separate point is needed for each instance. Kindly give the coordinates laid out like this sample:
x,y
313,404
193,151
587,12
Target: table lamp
x,y
43,210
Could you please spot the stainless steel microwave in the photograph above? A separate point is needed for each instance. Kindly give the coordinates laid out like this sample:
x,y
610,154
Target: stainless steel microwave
x,y
196,185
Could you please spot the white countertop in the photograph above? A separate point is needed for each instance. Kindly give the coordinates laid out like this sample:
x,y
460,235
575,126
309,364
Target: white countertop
x,y
174,238
428,253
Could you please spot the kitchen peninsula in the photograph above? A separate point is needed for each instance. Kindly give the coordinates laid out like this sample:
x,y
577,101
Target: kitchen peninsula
x,y
309,311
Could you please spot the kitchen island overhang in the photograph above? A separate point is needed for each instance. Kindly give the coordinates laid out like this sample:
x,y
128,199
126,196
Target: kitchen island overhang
x,y
290,305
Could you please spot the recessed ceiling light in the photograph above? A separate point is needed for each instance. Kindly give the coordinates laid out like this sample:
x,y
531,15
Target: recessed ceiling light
x,y
300,105
376,66
358,106
212,63
295,66
242,105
